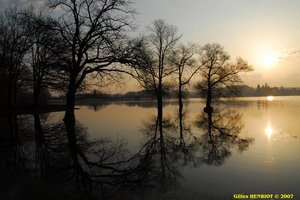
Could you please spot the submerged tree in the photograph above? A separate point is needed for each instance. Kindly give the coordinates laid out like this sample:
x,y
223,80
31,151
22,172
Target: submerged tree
x,y
14,43
91,30
153,57
218,73
45,56
183,58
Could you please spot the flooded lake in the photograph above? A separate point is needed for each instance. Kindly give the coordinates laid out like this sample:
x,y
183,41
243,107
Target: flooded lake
x,y
247,146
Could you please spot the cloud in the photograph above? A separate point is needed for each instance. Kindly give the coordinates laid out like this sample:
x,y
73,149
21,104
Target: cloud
x,y
289,53
20,3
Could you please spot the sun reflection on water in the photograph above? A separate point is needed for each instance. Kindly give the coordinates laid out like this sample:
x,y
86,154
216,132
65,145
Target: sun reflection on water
x,y
269,130
270,98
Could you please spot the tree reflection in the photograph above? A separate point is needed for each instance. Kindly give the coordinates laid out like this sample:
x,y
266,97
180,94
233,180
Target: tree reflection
x,y
221,131
185,145
102,162
41,152
209,140
11,147
13,160
52,156
60,153
157,152
55,153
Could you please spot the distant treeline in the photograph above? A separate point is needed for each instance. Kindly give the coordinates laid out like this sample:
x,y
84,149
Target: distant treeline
x,y
240,91
266,90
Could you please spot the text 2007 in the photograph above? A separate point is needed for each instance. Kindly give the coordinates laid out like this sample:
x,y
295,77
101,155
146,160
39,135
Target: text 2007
x,y
286,196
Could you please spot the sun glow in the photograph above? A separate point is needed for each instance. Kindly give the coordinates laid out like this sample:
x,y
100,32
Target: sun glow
x,y
268,57
269,130
270,98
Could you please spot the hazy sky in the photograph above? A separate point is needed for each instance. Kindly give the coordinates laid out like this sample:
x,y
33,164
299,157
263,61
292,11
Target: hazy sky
x,y
264,32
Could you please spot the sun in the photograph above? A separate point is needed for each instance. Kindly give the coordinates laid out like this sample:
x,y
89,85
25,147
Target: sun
x,y
269,59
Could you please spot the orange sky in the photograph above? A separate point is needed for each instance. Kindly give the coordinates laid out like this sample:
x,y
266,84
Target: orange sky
x,y
264,32
257,30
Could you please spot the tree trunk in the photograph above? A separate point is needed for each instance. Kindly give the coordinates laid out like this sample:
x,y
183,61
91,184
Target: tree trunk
x,y
70,101
180,104
180,96
9,89
160,128
209,118
208,108
180,113
159,110
11,101
14,95
36,95
159,105
69,120
72,142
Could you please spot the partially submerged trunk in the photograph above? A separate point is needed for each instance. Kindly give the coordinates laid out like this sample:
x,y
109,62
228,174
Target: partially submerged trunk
x,y
36,96
72,142
70,125
70,101
160,128
12,91
180,97
208,108
180,113
160,111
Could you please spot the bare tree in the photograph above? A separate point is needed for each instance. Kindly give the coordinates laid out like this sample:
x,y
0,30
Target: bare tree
x,y
91,30
218,73
14,43
44,56
184,59
155,65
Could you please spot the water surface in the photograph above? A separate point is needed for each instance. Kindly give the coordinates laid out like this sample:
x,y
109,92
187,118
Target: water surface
x,y
251,146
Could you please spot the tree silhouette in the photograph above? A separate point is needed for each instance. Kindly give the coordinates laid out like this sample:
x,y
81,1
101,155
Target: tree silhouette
x,y
14,43
218,72
183,57
153,61
46,50
91,30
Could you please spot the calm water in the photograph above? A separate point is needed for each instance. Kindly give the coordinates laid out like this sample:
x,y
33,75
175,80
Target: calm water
x,y
252,145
